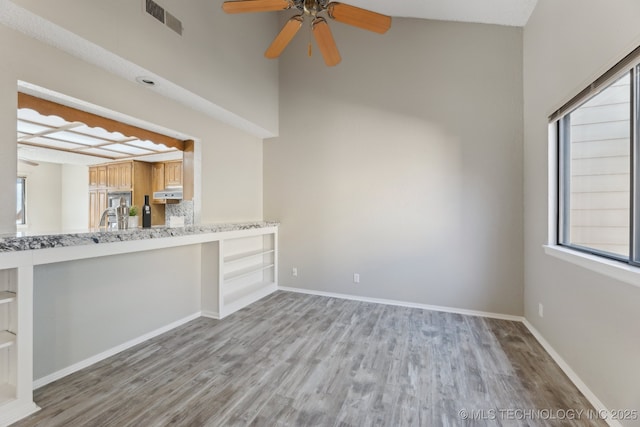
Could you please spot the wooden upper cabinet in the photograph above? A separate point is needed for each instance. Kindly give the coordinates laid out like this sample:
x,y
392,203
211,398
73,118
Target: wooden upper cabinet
x,y
112,176
102,176
126,175
157,181
119,176
173,174
164,175
93,177
98,177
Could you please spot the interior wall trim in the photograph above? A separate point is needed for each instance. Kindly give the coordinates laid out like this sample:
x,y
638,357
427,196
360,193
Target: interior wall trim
x,y
406,304
211,314
111,352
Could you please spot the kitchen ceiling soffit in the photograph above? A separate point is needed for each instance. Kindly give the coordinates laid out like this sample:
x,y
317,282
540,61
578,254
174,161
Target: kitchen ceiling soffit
x,y
47,125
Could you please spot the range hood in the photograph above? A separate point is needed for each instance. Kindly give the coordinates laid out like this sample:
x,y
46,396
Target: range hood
x,y
168,194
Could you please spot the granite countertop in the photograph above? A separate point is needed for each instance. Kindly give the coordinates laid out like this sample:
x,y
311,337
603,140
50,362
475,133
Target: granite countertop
x,y
20,242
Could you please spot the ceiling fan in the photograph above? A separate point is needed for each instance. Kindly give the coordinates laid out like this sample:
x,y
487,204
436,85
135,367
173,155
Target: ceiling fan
x,y
344,13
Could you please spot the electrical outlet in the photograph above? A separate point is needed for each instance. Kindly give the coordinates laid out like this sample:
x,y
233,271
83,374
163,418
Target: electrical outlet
x,y
294,272
356,278
540,310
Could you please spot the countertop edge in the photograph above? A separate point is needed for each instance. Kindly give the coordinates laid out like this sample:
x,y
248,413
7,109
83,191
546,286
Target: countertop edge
x,y
18,243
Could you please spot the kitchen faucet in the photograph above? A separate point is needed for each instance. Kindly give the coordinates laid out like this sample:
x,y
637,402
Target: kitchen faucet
x,y
104,218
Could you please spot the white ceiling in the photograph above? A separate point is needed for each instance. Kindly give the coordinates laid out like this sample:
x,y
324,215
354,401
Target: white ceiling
x,y
501,12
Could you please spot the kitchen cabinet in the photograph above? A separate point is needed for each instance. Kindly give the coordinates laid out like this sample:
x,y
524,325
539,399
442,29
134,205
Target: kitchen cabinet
x,y
93,177
133,176
165,175
98,177
97,205
173,174
157,178
119,176
102,176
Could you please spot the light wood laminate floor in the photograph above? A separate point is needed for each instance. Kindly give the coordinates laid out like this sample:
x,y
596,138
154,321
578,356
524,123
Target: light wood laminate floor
x,y
300,360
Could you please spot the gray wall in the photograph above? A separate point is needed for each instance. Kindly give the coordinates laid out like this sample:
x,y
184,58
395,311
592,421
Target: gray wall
x,y
403,164
591,320
83,308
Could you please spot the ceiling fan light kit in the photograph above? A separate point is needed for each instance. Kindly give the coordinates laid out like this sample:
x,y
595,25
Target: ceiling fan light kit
x,y
350,15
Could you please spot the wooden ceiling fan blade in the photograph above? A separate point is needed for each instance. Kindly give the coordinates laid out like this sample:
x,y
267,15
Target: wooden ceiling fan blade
x,y
245,6
284,37
326,43
361,18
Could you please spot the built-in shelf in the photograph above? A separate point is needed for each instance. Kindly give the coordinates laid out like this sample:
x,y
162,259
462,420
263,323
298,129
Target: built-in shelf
x,y
234,293
245,255
247,270
243,272
6,339
249,294
6,296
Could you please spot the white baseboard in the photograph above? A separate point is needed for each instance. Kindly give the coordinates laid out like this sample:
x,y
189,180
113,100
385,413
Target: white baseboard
x,y
211,314
406,304
14,411
575,379
112,351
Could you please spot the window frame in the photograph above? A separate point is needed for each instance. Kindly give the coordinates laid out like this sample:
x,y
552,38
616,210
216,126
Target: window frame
x,y
558,156
563,125
24,200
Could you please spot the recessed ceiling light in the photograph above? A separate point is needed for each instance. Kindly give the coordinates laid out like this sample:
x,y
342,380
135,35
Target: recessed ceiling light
x,y
147,81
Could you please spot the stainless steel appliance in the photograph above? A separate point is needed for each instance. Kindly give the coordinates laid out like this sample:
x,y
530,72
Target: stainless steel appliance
x,y
169,194
113,199
113,202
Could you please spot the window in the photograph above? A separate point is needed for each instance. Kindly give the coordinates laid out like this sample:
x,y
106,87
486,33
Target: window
x,y
598,166
21,192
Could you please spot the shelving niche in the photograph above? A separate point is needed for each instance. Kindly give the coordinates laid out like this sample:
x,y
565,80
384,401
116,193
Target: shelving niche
x,y
8,331
16,335
248,270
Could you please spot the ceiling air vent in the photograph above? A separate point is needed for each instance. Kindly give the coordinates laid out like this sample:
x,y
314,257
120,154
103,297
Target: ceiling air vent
x,y
155,10
173,23
158,12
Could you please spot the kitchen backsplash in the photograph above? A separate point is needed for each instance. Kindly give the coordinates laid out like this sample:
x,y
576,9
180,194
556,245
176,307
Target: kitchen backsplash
x,y
183,209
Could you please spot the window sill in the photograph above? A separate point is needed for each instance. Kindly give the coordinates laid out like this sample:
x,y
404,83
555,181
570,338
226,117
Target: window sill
x,y
616,270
